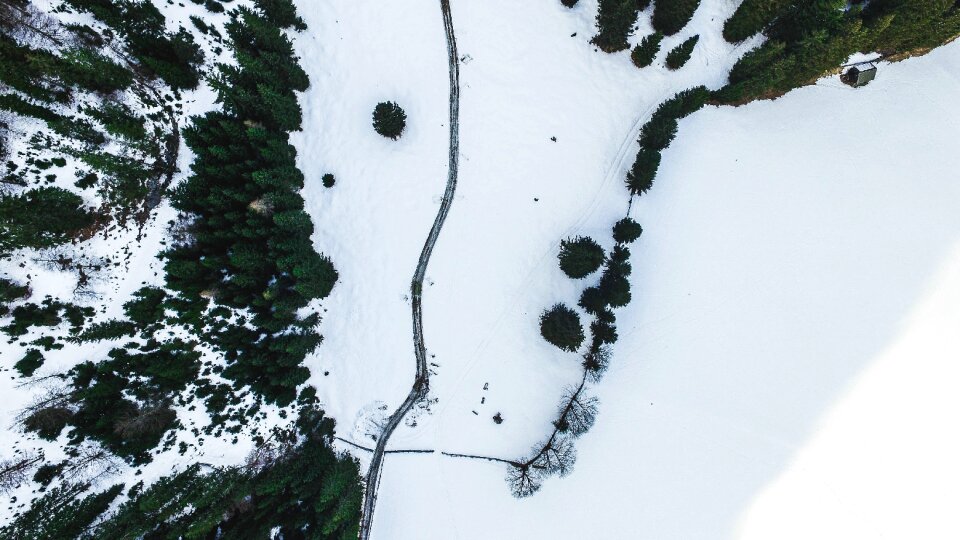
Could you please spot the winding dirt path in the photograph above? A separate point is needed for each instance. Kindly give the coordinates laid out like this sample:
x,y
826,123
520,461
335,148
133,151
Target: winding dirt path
x,y
421,383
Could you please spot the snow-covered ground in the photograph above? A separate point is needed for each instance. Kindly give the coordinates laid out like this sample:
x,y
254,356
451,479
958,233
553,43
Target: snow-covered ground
x,y
779,369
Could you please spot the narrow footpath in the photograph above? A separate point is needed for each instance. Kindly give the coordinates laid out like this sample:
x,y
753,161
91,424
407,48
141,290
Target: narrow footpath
x,y
421,383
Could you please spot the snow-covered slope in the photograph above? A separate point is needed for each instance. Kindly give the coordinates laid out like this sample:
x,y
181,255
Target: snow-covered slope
x,y
784,370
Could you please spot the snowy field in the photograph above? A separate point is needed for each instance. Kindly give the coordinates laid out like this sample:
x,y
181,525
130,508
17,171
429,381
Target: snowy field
x,y
784,370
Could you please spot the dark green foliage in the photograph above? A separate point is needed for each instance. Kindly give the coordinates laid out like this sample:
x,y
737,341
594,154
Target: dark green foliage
x,y
561,327
658,132
41,217
329,180
677,57
297,489
146,307
30,363
615,20
61,514
10,291
603,332
112,329
645,51
119,120
591,300
808,39
95,72
644,170
47,473
670,16
569,3
282,13
49,313
751,17
626,231
172,57
389,119
251,247
580,257
905,25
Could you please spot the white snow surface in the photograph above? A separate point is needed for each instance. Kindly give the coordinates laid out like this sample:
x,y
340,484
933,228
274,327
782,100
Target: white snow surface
x,y
784,369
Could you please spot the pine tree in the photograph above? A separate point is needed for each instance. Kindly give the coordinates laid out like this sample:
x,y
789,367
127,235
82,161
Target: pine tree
x,y
615,20
561,327
645,51
580,257
677,57
670,16
644,170
751,17
389,120
626,231
41,217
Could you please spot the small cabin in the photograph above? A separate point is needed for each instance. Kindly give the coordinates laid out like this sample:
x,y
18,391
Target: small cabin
x,y
860,75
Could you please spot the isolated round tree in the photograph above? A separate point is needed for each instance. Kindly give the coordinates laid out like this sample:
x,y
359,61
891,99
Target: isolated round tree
x,y
560,326
389,119
580,257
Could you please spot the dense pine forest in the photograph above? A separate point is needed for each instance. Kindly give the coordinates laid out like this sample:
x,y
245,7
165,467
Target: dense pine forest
x,y
224,333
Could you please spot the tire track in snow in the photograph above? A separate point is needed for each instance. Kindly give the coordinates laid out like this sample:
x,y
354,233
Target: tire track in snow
x,y
421,383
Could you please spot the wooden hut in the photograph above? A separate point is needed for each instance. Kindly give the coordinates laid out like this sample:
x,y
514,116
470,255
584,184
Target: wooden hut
x,y
860,75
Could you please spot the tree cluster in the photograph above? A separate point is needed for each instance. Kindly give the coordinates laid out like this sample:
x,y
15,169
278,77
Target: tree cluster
x,y
246,243
805,40
174,57
304,490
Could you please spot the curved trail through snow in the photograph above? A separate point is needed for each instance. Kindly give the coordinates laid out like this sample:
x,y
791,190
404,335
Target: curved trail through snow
x,y
421,383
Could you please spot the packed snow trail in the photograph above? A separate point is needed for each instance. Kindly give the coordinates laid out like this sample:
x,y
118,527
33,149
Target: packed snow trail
x,y
421,383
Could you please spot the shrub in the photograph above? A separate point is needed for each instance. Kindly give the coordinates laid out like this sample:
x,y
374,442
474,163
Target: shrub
x,y
561,327
670,16
569,3
681,53
329,180
580,257
30,362
645,51
615,19
751,17
389,119
10,291
640,176
626,231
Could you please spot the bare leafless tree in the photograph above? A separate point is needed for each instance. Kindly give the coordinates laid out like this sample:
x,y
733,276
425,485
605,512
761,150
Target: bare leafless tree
x,y
89,464
596,361
27,23
14,471
577,412
524,480
557,456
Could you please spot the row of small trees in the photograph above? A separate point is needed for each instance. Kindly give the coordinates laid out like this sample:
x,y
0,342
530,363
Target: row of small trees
x,y
560,325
